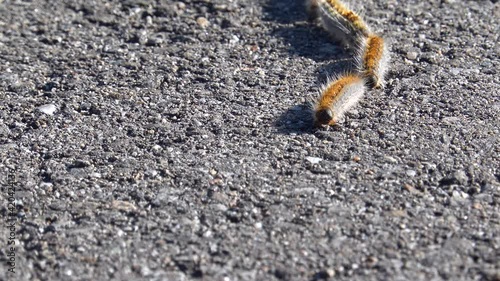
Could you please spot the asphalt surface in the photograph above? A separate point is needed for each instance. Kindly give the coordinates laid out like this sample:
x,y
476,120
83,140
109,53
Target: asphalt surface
x,y
162,140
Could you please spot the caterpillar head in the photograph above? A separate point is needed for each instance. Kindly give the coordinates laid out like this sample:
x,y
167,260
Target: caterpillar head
x,y
323,117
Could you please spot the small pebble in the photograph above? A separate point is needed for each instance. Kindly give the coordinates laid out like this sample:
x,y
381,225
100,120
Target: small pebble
x,y
477,206
455,71
412,55
203,22
235,39
181,5
390,159
411,173
409,187
461,177
313,160
48,109
123,206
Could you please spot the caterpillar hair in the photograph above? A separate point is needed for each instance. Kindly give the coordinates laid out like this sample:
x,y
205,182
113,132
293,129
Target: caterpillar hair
x,y
343,24
373,60
337,97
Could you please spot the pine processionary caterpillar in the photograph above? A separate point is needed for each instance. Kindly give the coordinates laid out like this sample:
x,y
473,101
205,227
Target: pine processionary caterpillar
x,y
337,97
343,24
372,57
373,60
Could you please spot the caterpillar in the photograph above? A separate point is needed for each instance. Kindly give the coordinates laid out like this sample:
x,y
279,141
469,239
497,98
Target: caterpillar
x,y
372,57
373,60
344,25
337,97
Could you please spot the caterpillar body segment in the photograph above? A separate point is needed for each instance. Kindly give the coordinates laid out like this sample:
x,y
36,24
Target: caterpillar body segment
x,y
343,24
373,60
337,97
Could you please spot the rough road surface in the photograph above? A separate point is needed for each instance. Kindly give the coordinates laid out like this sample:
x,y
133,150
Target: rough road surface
x,y
162,140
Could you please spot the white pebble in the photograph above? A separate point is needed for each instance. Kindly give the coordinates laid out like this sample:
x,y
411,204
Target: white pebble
x,y
235,39
456,71
48,109
411,173
412,55
314,160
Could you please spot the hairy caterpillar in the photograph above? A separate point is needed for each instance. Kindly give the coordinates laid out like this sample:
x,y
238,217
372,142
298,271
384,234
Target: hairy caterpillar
x,y
343,24
337,97
372,57
373,60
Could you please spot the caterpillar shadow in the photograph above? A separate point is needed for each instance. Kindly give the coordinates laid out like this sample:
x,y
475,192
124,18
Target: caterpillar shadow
x,y
305,38
296,120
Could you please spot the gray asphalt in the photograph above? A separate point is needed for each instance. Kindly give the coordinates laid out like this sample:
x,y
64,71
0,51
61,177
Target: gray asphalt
x,y
162,140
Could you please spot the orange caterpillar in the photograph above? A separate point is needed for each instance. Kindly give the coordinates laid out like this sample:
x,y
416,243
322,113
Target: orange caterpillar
x,y
337,97
373,60
343,24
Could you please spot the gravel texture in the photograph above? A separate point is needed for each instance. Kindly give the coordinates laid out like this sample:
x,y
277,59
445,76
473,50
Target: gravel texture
x,y
162,140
